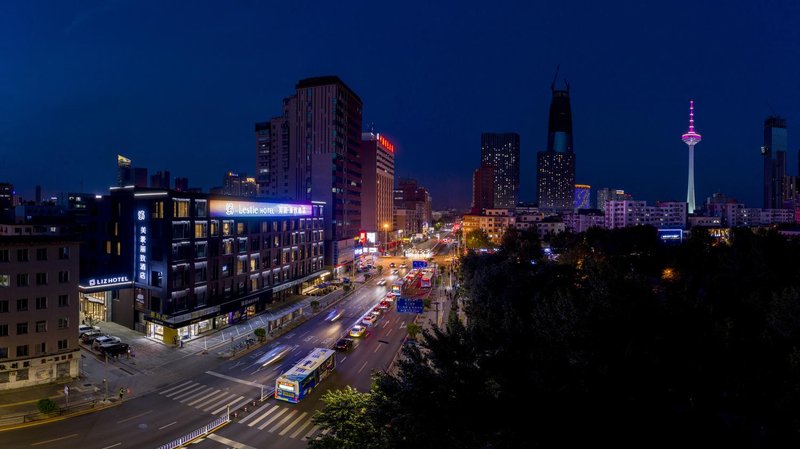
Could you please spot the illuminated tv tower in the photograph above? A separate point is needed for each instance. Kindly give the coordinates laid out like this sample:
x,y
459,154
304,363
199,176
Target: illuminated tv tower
x,y
691,138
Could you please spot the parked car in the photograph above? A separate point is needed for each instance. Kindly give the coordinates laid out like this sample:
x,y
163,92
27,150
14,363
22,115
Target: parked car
x,y
104,340
384,305
83,328
344,344
368,320
89,336
114,349
391,265
357,330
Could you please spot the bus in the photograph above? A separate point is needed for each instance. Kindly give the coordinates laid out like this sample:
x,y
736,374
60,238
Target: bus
x,y
425,281
297,383
397,286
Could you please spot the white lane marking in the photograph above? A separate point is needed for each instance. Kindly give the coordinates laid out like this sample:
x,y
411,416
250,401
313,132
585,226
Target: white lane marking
x,y
300,429
135,416
55,439
181,390
113,445
232,405
362,367
189,393
176,386
234,379
215,392
376,348
216,404
390,331
277,415
229,442
164,427
310,432
292,424
275,407
343,359
281,422
203,391
254,413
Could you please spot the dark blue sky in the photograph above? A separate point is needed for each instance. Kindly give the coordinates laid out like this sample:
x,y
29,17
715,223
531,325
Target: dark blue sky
x,y
178,86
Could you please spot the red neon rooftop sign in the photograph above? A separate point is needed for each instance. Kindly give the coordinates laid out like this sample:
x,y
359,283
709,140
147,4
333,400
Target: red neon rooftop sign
x,y
386,144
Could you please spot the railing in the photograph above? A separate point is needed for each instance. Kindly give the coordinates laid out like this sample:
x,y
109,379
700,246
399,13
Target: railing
x,y
66,411
205,430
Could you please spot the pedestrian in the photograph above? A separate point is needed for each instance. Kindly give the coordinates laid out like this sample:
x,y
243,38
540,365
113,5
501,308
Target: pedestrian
x,y
121,393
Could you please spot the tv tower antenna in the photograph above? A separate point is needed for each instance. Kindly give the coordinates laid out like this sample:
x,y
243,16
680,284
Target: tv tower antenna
x,y
691,138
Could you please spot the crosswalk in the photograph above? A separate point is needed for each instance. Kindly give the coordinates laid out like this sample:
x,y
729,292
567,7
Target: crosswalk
x,y
271,417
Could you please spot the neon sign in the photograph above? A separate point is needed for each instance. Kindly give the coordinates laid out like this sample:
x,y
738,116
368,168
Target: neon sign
x,y
234,208
141,247
386,144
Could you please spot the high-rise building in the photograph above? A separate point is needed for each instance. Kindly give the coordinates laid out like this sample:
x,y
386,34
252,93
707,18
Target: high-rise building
x,y
774,154
555,167
238,185
605,194
583,196
483,189
413,204
6,196
124,171
377,194
691,138
501,151
315,154
181,184
160,180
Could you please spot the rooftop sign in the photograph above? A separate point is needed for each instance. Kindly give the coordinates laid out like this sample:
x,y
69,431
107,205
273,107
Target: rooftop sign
x,y
242,209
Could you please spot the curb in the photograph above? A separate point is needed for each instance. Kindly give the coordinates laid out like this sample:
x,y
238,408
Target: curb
x,y
58,418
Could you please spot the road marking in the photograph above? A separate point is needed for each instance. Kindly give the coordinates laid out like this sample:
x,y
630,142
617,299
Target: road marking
x,y
164,427
181,390
390,331
300,429
191,392
277,415
275,407
229,442
343,359
376,349
362,368
175,387
113,445
310,432
232,405
254,413
134,417
204,397
293,423
189,398
233,379
281,422
227,399
55,439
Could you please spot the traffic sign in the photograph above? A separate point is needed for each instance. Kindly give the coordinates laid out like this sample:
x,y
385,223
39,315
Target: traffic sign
x,y
410,305
419,264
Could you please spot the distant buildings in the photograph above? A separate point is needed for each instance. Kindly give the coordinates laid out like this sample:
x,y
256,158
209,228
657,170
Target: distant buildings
x,y
773,153
483,187
413,211
501,152
236,184
555,167
606,194
583,196
665,214
377,193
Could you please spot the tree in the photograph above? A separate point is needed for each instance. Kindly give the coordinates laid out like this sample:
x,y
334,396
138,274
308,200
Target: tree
x,y
314,304
261,333
346,414
478,238
413,330
46,406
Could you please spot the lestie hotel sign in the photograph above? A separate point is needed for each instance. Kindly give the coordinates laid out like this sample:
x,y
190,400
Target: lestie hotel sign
x,y
240,209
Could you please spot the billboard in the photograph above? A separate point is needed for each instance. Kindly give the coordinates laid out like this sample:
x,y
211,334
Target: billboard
x,y
241,209
670,235
416,264
410,305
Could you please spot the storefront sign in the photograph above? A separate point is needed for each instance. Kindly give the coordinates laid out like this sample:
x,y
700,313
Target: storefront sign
x,y
234,209
94,282
247,302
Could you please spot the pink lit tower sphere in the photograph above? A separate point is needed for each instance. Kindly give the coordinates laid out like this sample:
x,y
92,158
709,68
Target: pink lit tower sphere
x,y
691,139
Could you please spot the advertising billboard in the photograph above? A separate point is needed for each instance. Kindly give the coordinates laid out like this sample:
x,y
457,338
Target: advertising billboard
x,y
241,209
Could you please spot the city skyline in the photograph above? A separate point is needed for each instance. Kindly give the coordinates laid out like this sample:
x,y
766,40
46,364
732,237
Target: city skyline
x,y
172,106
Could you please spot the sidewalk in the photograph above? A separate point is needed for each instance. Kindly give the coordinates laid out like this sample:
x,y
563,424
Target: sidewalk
x,y
151,363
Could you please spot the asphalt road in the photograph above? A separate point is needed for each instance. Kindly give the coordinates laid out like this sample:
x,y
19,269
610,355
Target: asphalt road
x,y
189,401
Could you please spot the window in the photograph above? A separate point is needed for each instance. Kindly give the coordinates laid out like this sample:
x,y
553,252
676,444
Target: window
x,y
63,277
22,255
4,257
22,280
227,227
41,278
22,351
200,208
5,280
200,230
41,326
41,302
40,348
41,253
3,353
22,305
63,323
22,328
241,229
3,330
22,374
3,306
63,300
63,252
62,345
180,208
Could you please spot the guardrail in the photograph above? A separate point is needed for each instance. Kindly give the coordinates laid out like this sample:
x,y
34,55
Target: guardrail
x,y
203,431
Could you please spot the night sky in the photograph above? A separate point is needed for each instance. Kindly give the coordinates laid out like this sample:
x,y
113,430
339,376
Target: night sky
x,y
178,86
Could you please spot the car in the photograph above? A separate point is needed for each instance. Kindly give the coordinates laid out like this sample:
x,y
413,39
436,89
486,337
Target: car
x,y
89,336
369,319
83,328
384,305
357,330
334,315
395,271
344,344
105,339
382,282
274,354
376,311
114,349
391,265
403,265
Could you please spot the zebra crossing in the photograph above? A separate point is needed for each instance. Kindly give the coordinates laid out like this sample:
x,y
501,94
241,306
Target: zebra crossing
x,y
271,417
205,398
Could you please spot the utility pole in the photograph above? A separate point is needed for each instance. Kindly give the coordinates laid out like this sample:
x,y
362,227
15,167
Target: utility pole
x,y
105,378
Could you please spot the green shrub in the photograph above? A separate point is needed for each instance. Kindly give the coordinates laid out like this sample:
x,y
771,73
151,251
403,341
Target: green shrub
x,y
46,405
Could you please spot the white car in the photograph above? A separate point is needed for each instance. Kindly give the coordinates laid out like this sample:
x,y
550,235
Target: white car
x,y
368,320
382,282
105,340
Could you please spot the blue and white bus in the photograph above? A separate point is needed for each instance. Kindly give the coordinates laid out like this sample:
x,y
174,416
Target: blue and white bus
x,y
297,383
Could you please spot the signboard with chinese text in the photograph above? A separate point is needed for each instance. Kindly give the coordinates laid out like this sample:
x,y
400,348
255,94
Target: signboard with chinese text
x,y
243,209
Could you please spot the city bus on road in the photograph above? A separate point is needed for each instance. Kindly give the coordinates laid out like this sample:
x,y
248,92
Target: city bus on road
x,y
397,286
297,383
425,281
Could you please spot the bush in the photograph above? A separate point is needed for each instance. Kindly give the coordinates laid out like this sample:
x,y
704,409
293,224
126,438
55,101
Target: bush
x,y
261,333
413,330
46,406
314,304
